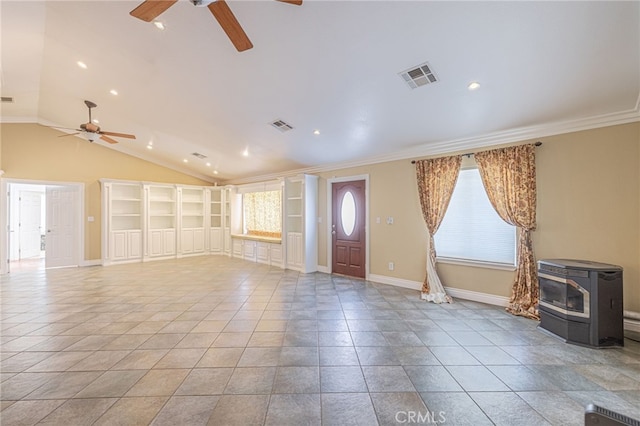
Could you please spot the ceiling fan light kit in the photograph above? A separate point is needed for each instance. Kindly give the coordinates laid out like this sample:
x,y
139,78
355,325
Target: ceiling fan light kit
x,y
149,10
91,132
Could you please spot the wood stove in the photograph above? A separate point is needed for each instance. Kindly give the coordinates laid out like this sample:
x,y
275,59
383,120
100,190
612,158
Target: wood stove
x,y
581,301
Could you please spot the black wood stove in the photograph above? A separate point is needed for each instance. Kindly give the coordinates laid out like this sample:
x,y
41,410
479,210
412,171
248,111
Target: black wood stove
x,y
581,301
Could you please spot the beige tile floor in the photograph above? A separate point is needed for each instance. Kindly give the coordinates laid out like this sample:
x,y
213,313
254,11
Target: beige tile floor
x,y
219,341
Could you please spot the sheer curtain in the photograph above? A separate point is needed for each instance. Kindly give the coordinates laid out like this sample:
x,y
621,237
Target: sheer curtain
x,y
509,177
436,179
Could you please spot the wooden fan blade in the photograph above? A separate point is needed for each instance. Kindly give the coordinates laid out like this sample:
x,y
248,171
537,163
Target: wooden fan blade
x,y
296,2
108,139
120,135
149,10
230,25
69,134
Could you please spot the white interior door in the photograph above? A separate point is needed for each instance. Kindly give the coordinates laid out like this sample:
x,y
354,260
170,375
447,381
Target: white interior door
x,y
61,232
30,221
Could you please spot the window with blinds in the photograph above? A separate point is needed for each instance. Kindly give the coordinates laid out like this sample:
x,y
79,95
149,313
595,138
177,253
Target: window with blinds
x,y
471,229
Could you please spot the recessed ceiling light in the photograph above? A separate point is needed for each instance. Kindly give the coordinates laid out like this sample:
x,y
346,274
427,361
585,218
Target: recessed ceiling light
x,y
114,92
185,161
473,85
149,147
82,65
316,132
215,172
159,25
245,152
208,164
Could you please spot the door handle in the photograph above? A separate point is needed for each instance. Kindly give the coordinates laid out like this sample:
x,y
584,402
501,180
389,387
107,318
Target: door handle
x,y
333,232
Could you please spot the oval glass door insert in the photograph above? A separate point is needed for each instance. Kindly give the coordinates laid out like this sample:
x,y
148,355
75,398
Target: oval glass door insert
x,y
348,213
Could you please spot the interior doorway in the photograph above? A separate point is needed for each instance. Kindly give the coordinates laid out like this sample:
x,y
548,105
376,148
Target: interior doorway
x,y
44,223
27,224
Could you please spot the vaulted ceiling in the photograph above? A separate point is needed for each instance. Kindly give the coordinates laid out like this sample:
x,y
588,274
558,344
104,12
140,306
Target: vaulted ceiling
x,y
332,66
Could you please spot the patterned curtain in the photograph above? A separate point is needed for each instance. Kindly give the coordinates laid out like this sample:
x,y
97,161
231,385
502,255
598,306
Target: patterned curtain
x,y
436,179
262,213
509,177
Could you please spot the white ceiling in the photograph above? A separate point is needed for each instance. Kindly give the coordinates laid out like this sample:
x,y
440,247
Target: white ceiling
x,y
330,65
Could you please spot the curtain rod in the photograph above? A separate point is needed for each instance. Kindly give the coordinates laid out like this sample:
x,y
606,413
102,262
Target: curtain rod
x,y
469,154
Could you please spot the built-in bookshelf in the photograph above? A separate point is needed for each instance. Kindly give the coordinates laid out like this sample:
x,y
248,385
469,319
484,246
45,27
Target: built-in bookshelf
x,y
300,223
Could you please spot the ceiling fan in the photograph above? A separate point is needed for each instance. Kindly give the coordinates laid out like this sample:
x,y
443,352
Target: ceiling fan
x,y
92,132
151,9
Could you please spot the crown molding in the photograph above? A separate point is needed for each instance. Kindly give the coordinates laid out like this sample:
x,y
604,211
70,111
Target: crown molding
x,y
471,143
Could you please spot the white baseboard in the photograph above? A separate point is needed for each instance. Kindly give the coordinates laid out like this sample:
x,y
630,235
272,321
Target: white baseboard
x,y
632,325
324,269
475,296
398,282
490,299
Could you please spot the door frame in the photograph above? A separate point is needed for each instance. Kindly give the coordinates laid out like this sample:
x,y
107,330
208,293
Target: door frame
x,y
4,217
330,183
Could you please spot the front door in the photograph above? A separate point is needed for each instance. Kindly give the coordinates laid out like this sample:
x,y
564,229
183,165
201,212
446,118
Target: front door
x,y
60,245
348,228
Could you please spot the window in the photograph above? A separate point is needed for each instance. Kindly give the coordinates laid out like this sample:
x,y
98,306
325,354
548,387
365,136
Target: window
x,y
471,229
262,213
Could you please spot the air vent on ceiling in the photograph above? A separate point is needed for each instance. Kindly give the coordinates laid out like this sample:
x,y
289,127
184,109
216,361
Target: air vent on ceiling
x,y
197,154
282,126
7,99
419,76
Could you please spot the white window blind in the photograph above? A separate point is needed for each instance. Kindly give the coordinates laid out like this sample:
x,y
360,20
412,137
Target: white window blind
x,y
471,228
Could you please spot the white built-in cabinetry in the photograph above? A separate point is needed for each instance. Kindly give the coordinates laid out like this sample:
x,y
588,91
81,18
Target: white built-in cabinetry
x,y
216,241
123,216
219,220
162,223
301,223
192,224
147,221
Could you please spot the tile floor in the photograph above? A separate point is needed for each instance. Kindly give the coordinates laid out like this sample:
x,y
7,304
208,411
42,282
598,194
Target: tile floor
x,y
219,341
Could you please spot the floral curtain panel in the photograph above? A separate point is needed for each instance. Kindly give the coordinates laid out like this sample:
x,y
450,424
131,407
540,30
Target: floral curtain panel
x,y
436,180
262,213
509,177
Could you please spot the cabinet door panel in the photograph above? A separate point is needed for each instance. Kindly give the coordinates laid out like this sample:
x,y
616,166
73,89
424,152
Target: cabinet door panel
x,y
215,242
155,242
119,245
135,244
169,241
198,240
186,241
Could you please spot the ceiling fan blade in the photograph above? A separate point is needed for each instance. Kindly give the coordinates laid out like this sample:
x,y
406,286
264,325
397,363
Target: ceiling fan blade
x,y
296,2
120,135
69,134
230,25
149,10
108,139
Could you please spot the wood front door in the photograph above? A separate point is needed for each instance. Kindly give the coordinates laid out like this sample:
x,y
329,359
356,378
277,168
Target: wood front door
x,y
348,228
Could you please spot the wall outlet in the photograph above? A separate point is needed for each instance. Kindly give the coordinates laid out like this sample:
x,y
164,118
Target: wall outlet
x,y
390,220
90,219
391,266
377,220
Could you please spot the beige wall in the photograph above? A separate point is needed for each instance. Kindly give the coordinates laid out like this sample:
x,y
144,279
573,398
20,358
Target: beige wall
x,y
588,208
588,200
32,151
